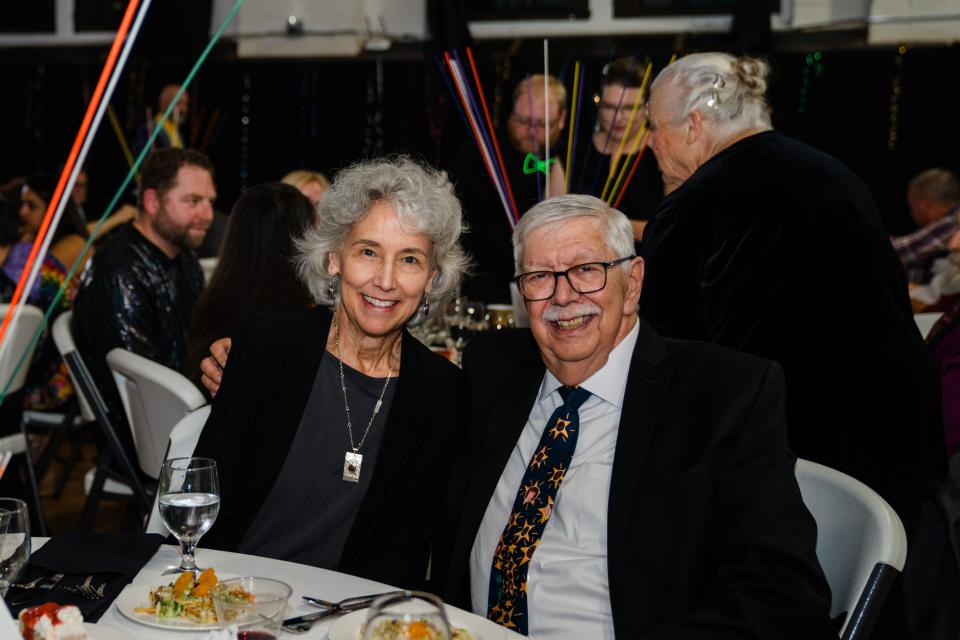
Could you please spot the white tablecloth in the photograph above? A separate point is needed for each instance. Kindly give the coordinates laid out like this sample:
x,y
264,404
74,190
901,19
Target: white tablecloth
x,y
305,580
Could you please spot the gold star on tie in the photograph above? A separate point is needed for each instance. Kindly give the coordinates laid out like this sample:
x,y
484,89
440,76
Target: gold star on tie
x,y
560,429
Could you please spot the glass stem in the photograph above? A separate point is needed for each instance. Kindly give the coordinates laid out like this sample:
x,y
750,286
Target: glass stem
x,y
187,549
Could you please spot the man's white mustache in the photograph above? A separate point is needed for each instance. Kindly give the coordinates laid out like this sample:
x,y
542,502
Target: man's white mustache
x,y
570,311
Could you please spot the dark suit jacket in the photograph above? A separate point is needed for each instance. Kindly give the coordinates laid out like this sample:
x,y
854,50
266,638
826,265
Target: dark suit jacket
x,y
707,533
776,249
265,387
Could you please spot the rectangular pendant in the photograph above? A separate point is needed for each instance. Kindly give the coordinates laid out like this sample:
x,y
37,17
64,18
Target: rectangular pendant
x,y
351,466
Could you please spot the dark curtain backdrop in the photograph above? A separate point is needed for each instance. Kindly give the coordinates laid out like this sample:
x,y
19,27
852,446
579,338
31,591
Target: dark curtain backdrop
x,y
260,119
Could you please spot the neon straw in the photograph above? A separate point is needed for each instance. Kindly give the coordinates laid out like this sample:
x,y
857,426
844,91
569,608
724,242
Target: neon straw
x,y
496,145
536,145
633,170
573,109
606,142
118,132
446,81
641,135
546,116
479,139
615,159
68,174
487,135
576,126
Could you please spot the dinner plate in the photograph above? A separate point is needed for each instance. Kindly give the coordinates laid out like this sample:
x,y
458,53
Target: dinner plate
x,y
97,632
347,627
138,595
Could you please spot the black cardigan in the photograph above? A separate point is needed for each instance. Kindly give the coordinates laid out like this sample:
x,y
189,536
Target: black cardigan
x,y
265,387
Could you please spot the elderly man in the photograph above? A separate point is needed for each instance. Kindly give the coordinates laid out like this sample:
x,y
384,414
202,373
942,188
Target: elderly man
x,y
617,483
526,135
934,200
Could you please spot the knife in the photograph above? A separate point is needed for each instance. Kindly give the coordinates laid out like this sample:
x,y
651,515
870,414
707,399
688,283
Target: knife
x,y
34,593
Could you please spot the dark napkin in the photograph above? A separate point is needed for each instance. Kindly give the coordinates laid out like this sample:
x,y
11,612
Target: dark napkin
x,y
115,558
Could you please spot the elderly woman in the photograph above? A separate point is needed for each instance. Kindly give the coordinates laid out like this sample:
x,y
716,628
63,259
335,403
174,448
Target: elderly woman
x,y
333,428
747,252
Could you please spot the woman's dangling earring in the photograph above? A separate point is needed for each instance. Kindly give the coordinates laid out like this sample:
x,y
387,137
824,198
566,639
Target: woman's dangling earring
x,y
426,306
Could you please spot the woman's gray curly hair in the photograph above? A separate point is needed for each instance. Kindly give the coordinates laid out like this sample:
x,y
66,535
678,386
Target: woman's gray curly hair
x,y
425,203
725,90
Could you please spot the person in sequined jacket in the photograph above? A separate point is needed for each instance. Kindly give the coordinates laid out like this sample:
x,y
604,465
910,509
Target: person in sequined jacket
x,y
140,292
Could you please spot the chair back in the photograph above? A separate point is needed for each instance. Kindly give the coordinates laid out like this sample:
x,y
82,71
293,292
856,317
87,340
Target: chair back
x,y
183,440
154,398
15,343
861,544
63,339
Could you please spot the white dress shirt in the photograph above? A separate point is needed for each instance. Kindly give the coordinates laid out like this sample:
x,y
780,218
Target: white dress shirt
x,y
567,583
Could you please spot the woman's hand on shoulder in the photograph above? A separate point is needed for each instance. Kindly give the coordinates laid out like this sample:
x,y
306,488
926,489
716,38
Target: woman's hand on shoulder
x,y
212,366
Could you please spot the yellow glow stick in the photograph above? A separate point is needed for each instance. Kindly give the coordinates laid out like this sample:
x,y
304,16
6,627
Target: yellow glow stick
x,y
623,140
573,110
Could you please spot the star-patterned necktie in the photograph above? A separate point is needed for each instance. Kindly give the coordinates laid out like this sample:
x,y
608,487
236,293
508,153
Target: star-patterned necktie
x,y
532,508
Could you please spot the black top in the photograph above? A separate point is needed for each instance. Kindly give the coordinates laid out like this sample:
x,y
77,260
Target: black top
x,y
263,395
641,195
136,298
313,471
777,249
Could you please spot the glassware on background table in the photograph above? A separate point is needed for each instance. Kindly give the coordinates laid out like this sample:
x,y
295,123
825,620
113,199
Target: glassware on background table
x,y
416,613
499,316
189,500
256,619
14,541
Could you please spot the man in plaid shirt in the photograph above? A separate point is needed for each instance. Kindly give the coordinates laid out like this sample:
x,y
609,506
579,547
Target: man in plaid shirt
x,y
934,199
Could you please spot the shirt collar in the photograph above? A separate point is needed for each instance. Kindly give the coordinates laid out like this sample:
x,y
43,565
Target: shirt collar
x,y
609,383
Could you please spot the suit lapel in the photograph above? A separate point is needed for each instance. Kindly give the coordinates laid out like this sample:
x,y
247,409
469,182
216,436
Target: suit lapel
x,y
650,372
512,395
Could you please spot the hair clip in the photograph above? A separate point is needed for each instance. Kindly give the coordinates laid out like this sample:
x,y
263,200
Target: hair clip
x,y
714,101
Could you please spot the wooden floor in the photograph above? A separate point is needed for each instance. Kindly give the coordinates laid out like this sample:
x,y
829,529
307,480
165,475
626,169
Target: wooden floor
x,y
63,514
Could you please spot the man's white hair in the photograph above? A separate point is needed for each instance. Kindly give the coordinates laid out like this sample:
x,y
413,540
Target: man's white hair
x,y
617,227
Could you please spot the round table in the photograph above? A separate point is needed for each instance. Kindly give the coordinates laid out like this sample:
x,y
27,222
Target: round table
x,y
305,580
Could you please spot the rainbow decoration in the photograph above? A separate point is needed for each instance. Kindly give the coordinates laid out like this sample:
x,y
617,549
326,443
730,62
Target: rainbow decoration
x,y
481,126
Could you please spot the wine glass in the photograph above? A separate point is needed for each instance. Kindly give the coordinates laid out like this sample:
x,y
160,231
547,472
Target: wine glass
x,y
14,541
189,502
407,614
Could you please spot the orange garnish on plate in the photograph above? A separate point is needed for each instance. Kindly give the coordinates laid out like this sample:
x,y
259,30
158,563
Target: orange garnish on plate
x,y
184,582
417,630
206,581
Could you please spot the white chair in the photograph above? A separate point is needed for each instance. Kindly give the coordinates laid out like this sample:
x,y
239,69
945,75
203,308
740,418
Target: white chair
x,y
17,345
99,481
861,544
155,398
183,440
925,321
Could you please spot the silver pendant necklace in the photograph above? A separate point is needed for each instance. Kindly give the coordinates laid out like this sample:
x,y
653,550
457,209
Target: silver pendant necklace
x,y
353,459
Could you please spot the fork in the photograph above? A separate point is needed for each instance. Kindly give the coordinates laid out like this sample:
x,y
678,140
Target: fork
x,y
86,590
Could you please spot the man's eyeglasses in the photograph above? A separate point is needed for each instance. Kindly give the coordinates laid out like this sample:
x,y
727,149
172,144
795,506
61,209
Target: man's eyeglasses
x,y
588,277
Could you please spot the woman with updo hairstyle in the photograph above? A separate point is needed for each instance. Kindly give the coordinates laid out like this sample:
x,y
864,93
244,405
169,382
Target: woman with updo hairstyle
x,y
774,248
